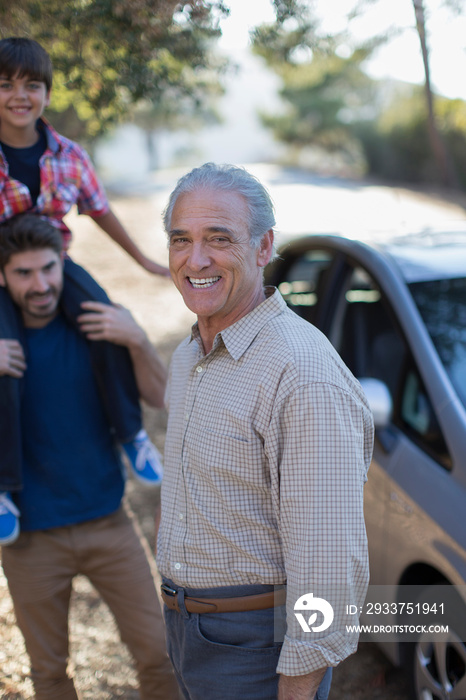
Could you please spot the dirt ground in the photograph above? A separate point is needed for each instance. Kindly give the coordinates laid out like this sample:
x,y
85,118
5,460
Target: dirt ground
x,y
102,665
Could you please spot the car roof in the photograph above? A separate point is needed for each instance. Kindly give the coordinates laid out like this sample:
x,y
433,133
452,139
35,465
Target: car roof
x,y
429,256
419,257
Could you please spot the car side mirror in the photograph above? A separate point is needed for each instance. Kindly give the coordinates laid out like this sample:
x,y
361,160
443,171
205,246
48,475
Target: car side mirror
x,y
379,399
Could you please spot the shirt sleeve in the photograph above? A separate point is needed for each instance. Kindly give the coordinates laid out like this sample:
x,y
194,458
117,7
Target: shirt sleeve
x,y
320,444
92,199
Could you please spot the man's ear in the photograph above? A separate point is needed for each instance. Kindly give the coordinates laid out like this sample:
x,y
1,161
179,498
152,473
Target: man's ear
x,y
265,249
2,279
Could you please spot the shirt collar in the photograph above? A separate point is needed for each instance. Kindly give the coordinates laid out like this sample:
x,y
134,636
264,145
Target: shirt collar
x,y
53,143
53,140
239,336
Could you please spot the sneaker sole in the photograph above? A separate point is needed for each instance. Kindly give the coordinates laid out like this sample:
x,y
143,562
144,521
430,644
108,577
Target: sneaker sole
x,y
4,541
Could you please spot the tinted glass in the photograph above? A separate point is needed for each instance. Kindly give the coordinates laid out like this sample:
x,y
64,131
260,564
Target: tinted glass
x,y
442,304
365,335
300,286
372,345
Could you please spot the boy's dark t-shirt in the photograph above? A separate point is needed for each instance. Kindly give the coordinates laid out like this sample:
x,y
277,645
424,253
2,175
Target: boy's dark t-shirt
x,y
23,164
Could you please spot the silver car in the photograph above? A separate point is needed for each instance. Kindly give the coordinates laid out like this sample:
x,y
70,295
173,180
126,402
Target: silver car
x,y
396,313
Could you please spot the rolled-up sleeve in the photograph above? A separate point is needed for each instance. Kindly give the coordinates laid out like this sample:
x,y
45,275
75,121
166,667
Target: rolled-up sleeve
x,y
92,198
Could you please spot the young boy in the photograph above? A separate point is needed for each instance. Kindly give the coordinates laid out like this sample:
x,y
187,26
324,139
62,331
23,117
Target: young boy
x,y
44,173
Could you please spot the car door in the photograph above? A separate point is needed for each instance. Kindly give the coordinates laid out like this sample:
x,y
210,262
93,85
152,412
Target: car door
x,y
411,459
365,333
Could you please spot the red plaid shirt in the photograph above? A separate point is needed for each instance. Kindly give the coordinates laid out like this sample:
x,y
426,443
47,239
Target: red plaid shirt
x,y
67,177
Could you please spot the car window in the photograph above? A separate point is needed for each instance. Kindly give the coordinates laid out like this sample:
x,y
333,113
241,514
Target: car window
x,y
365,334
417,417
442,305
302,281
370,342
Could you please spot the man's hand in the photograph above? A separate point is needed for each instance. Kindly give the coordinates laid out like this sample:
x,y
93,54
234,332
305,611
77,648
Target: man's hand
x,y
115,324
109,322
12,360
300,687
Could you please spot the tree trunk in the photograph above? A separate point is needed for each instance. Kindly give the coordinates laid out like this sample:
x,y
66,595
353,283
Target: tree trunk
x,y
439,150
151,149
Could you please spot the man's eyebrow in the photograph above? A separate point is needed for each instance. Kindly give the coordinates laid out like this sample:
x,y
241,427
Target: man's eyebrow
x,y
48,266
210,229
22,270
220,229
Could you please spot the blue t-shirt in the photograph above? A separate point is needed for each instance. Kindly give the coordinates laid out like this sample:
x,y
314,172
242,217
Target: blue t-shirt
x,y
23,163
71,469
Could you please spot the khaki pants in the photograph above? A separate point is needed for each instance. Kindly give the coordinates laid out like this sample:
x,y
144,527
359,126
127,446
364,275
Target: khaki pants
x,y
40,567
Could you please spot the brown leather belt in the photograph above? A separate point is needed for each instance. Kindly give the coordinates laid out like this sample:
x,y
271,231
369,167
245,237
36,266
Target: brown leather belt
x,y
260,601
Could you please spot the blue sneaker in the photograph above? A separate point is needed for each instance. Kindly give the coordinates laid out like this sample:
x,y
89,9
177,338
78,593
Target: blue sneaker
x,y
9,523
144,459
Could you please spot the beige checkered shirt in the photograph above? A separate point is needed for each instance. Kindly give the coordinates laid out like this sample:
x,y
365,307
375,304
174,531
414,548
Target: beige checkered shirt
x,y
268,444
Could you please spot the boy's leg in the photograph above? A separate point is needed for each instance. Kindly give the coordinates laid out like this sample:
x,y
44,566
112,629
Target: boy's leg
x,y
112,363
10,431
117,564
115,377
39,568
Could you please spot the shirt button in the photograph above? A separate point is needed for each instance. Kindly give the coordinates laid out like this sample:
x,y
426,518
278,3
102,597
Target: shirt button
x,y
186,417
177,566
181,516
199,369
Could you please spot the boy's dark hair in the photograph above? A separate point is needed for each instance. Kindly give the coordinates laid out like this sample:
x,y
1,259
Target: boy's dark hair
x,y
25,58
27,232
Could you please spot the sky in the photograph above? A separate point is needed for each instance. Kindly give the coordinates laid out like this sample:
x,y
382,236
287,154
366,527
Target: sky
x,y
400,59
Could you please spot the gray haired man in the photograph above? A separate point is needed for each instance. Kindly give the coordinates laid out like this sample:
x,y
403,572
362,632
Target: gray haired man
x,y
268,444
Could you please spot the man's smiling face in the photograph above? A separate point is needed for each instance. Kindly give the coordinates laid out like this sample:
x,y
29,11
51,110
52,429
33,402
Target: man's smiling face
x,y
34,280
212,262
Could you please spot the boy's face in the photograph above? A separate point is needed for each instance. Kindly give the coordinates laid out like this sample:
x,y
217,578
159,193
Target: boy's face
x,y
34,280
22,102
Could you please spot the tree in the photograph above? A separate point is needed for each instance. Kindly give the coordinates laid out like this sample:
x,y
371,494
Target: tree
x,y
324,84
437,144
171,113
296,28
396,143
110,55
325,96
438,147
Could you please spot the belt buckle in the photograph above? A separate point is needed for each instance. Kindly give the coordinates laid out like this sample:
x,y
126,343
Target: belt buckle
x,y
168,591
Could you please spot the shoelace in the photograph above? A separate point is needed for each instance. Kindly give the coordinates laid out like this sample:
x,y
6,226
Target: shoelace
x,y
7,506
146,453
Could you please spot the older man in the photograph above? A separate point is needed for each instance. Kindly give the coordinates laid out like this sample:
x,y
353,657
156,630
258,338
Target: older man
x,y
268,445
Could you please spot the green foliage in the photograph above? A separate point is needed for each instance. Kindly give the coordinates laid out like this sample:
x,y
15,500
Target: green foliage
x,y
331,105
325,89
110,55
397,145
323,97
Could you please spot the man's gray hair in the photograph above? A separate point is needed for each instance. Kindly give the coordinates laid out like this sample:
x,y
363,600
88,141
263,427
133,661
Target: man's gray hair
x,y
230,178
